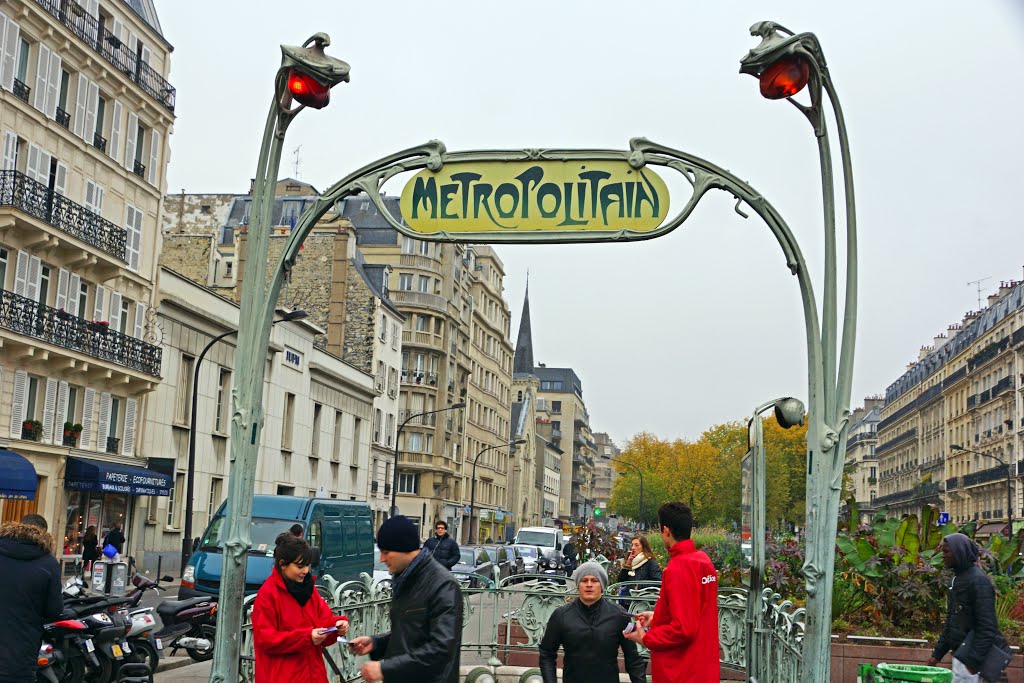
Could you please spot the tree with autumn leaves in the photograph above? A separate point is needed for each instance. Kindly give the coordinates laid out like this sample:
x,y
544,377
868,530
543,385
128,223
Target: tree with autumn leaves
x,y
705,474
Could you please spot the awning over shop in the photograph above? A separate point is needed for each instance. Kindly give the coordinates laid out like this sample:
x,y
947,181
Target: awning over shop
x,y
98,475
991,529
17,477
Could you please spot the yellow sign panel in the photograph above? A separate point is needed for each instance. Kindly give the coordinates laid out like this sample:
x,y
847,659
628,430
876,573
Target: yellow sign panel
x,y
523,196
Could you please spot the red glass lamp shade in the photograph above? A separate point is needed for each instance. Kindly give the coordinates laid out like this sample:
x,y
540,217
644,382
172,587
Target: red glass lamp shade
x,y
785,78
307,90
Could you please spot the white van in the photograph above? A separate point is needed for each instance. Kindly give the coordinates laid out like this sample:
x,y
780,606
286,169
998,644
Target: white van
x,y
540,536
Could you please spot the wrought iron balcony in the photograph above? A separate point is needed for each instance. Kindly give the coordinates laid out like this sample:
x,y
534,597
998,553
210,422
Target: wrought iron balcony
x,y
139,169
998,473
25,316
39,201
423,420
99,142
112,444
419,377
63,118
110,47
20,90
71,440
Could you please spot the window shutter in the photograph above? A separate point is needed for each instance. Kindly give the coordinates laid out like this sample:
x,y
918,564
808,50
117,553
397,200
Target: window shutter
x,y
115,131
92,103
60,179
133,44
101,296
87,406
43,168
62,289
21,274
132,224
10,161
78,124
42,77
93,8
53,86
74,288
140,320
18,403
49,405
136,236
101,434
9,59
154,155
32,281
128,442
130,137
89,195
33,162
98,200
118,29
60,416
115,311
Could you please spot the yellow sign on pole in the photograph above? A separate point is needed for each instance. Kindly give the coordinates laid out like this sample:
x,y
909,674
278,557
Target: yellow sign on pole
x,y
546,195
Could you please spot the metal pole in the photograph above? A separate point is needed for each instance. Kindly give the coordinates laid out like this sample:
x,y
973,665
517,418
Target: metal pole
x,y
190,474
472,488
394,476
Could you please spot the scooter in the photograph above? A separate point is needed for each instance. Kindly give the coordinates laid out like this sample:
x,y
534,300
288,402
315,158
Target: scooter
x,y
65,654
106,620
146,647
189,625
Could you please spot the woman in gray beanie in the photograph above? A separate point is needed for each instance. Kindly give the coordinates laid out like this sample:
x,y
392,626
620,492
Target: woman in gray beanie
x,y
589,630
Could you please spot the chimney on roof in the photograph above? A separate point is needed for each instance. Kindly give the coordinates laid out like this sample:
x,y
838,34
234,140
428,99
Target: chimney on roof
x,y
939,341
992,298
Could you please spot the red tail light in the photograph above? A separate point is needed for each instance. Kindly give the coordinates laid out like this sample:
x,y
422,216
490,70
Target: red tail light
x,y
72,624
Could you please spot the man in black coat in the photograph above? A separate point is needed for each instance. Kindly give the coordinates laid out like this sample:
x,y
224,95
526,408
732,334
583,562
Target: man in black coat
x,y
442,546
589,629
426,614
32,589
115,537
971,606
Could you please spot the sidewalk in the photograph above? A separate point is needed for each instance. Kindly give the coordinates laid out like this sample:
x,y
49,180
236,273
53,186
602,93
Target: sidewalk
x,y
185,671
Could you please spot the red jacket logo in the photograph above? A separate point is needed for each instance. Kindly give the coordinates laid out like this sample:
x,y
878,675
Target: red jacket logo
x,y
710,578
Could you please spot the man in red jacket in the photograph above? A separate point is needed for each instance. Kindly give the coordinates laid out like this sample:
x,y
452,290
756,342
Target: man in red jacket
x,y
682,631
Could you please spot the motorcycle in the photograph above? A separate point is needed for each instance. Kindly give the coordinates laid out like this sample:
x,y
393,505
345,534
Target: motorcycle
x,y
189,625
66,652
553,567
145,646
106,621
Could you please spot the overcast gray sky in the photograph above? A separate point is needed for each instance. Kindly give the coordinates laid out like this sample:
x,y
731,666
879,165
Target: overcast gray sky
x,y
676,334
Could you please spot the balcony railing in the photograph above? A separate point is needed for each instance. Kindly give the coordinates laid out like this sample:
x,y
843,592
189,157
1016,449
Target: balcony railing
x,y
99,142
420,299
112,444
423,420
63,118
139,169
39,201
25,316
20,90
419,377
110,47
998,473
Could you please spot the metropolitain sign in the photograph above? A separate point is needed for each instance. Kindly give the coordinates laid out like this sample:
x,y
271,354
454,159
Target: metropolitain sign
x,y
574,195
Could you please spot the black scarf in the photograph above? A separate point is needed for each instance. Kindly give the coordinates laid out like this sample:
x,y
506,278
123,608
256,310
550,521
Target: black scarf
x,y
302,591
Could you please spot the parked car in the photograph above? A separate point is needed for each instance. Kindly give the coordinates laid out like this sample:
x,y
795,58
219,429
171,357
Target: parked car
x,y
380,570
500,557
529,554
473,560
518,561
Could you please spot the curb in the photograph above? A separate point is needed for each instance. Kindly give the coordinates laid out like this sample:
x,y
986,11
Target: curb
x,y
174,663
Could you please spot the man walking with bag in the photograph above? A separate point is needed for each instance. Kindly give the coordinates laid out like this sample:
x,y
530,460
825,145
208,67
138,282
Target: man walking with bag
x,y
980,651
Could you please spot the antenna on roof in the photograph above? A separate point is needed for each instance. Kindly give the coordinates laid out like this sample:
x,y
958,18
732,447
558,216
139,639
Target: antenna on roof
x,y
977,283
298,160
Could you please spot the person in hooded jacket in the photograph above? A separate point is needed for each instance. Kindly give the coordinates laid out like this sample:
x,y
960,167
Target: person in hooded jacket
x,y
31,578
971,607
291,621
590,631
442,546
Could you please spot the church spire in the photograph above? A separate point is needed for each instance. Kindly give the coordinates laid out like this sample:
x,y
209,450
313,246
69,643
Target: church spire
x,y
523,360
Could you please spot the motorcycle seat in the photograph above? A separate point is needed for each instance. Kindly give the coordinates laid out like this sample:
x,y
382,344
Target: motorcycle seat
x,y
169,608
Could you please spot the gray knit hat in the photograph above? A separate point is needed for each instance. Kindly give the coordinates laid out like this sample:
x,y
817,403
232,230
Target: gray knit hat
x,y
591,569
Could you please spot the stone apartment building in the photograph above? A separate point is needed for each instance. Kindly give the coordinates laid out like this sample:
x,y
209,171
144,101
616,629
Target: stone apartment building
x,y
348,299
861,457
950,430
85,115
455,347
318,416
604,473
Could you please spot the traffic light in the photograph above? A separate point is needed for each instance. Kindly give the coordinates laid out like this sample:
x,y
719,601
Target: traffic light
x,y
307,90
597,512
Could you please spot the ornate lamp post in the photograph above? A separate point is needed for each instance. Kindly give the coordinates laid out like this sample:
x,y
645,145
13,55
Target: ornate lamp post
x,y
472,487
394,477
306,77
1009,481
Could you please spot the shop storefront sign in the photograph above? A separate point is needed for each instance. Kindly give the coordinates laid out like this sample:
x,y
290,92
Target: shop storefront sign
x,y
98,475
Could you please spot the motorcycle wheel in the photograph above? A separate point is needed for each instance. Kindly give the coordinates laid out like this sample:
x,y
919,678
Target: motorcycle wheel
x,y
105,672
143,652
198,655
74,671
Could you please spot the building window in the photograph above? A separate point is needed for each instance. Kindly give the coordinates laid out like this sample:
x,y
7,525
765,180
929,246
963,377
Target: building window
x,y
556,406
223,387
383,328
288,424
314,448
172,501
184,395
423,283
3,268
422,323
376,425
215,494
405,282
83,296
356,432
408,245
338,426
414,442
408,483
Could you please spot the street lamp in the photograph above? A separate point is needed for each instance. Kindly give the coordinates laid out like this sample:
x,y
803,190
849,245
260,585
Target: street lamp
x,y
190,474
1009,480
472,487
641,473
394,477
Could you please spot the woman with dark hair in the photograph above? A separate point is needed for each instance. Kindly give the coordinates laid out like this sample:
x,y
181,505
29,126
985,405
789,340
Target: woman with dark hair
x,y
90,548
291,621
640,564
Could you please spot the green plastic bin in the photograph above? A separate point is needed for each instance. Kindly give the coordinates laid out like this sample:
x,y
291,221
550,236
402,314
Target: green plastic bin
x,y
898,673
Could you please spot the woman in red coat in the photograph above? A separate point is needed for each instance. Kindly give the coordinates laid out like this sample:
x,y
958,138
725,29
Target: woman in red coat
x,y
291,622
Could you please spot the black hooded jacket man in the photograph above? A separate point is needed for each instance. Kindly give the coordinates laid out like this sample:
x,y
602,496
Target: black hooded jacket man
x,y
970,605
32,596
